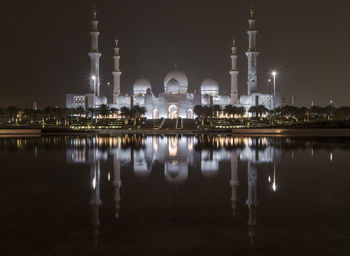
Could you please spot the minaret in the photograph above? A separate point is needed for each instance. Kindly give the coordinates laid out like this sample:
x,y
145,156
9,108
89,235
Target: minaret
x,y
252,200
252,54
234,74
234,181
116,72
94,56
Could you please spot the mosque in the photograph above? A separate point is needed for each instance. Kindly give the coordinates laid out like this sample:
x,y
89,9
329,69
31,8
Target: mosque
x,y
176,100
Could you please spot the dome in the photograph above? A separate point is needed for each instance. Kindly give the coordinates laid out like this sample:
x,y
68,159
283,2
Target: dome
x,y
209,86
210,169
176,173
173,86
141,85
180,77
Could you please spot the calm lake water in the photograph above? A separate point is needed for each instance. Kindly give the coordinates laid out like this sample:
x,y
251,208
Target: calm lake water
x,y
174,195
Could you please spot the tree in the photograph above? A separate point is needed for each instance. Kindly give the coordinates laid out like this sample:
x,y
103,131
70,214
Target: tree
x,y
342,113
80,111
136,112
258,110
241,111
113,111
103,110
12,112
233,110
318,112
199,111
125,112
215,111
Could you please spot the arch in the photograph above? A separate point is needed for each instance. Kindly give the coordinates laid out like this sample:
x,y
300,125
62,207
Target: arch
x,y
172,111
190,114
155,114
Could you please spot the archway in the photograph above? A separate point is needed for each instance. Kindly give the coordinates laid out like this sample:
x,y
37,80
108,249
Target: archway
x,y
155,114
190,114
172,112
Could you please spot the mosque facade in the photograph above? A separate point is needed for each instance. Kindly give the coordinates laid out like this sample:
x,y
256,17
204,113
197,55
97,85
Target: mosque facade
x,y
176,100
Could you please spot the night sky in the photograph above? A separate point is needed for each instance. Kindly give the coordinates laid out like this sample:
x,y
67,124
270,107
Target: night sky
x,y
46,43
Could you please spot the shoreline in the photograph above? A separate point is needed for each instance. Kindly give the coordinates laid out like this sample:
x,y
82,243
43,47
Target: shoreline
x,y
333,132
272,132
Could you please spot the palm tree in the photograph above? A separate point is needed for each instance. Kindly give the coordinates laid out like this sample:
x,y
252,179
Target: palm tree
x,y
258,110
342,113
103,110
113,111
216,109
80,111
136,112
30,115
125,112
233,110
12,112
199,111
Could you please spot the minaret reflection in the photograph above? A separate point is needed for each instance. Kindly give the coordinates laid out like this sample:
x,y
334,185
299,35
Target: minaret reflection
x,y
95,201
234,181
252,200
176,154
257,151
116,184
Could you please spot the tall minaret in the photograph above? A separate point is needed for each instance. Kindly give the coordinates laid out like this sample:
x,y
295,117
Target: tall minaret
x,y
94,56
234,74
116,72
252,54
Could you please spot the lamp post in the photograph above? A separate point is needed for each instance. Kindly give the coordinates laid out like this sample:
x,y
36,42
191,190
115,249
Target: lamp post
x,y
274,74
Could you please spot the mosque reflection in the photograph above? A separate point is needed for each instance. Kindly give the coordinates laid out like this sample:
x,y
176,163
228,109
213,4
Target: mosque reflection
x,y
176,154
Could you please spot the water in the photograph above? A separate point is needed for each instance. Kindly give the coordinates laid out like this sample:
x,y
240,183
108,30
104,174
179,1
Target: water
x,y
201,195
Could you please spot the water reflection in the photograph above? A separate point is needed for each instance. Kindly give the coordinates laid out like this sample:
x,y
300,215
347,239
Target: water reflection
x,y
176,154
252,161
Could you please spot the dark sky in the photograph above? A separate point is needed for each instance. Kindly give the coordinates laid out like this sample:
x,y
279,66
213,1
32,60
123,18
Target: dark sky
x,y
45,46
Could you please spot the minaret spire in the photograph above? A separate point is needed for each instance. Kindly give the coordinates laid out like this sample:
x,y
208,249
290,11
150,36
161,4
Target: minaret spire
x,y
234,74
252,53
116,71
94,56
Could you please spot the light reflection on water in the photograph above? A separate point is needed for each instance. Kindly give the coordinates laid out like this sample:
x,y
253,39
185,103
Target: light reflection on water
x,y
176,154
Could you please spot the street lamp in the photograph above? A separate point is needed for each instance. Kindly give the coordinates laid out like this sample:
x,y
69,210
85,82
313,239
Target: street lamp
x,y
274,74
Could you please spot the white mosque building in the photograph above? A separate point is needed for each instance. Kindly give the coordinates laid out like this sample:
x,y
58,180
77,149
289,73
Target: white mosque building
x,y
176,100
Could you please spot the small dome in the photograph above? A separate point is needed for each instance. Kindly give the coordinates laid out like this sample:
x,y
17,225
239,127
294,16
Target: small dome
x,y
141,85
178,76
209,86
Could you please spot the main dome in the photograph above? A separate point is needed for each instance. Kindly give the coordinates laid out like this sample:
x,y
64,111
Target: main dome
x,y
209,86
180,77
141,85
